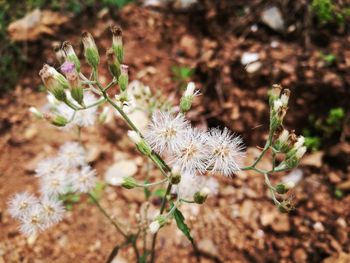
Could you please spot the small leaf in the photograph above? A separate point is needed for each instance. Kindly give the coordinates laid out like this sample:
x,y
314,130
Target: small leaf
x,y
180,222
159,192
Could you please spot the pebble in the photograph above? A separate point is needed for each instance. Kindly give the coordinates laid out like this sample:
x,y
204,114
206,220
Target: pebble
x,y
188,45
207,246
318,226
119,170
272,17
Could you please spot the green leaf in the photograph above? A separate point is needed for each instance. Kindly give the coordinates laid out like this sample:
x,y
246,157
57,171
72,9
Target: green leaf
x,y
180,222
160,192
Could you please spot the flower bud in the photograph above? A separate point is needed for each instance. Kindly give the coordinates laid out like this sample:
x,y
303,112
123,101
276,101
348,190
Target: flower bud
x,y
274,93
201,196
113,63
38,114
77,94
300,142
300,152
283,188
56,120
60,55
128,182
281,142
70,55
123,79
154,227
90,50
54,82
141,144
117,44
187,98
175,177
285,206
285,97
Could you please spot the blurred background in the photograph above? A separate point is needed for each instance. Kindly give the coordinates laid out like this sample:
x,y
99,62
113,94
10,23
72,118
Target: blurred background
x,y
234,50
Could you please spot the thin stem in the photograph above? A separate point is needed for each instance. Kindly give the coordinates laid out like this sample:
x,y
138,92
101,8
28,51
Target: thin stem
x,y
94,104
114,81
152,184
162,208
103,211
272,189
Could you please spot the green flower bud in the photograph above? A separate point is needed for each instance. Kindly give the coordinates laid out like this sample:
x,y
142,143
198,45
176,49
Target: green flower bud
x,y
283,188
90,50
123,79
175,177
285,206
70,55
141,145
117,44
201,196
38,114
54,82
78,94
274,93
128,183
113,64
56,120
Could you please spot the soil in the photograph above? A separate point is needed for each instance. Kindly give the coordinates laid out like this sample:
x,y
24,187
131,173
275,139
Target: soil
x,y
241,224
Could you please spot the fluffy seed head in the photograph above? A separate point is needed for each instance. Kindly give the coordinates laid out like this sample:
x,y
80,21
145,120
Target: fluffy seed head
x,y
84,180
226,151
72,154
21,203
166,132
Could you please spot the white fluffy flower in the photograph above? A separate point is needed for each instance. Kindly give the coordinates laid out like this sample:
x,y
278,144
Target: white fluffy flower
x,y
53,211
192,153
34,221
84,180
48,166
166,132
72,154
226,151
190,184
21,203
55,184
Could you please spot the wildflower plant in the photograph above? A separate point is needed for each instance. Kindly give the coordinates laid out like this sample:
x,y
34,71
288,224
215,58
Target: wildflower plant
x,y
187,157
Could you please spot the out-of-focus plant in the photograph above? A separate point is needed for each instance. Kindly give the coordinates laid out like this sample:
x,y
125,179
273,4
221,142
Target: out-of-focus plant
x,y
182,75
323,128
327,12
330,59
186,157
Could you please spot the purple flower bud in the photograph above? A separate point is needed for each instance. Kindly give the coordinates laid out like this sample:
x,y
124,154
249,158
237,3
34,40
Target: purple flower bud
x,y
124,69
67,67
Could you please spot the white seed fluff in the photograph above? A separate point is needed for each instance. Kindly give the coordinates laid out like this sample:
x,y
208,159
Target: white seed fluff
x,y
33,222
53,211
84,180
166,132
21,203
226,151
72,154
192,154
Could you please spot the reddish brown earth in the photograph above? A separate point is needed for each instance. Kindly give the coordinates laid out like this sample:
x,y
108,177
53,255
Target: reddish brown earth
x,y
241,224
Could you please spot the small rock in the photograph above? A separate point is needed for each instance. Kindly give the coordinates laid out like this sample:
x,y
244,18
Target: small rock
x,y
334,178
314,159
249,57
318,226
281,223
119,259
207,246
253,67
188,45
31,240
272,17
119,170
93,152
294,176
299,255
140,118
340,258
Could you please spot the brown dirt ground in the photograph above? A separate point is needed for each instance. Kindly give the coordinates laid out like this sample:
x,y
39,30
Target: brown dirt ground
x,y
240,224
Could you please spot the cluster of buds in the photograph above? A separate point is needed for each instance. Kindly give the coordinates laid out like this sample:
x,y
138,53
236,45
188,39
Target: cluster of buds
x,y
287,142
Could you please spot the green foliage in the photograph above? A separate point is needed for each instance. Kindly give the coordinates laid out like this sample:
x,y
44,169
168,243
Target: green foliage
x,y
328,58
117,3
327,12
323,128
97,191
160,192
338,193
69,200
182,75
180,222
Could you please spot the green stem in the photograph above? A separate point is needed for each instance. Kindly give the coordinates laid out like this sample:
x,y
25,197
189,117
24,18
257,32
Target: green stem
x,y
94,104
152,184
103,211
114,81
272,189
162,208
